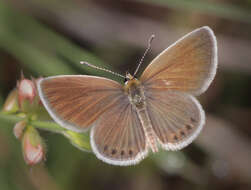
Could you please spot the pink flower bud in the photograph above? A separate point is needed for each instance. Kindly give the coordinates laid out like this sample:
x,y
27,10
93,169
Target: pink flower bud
x,y
11,103
19,128
26,91
33,146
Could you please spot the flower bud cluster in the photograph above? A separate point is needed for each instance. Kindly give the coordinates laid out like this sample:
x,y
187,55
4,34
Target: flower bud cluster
x,y
24,100
25,103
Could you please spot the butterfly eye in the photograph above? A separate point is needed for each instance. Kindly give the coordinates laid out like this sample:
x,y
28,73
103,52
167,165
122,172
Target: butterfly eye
x,y
128,77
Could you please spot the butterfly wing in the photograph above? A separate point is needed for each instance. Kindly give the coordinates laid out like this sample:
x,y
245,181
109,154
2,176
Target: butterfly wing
x,y
177,118
189,65
76,101
118,137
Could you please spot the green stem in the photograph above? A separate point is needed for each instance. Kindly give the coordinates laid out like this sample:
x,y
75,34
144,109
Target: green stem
x,y
12,119
80,140
46,125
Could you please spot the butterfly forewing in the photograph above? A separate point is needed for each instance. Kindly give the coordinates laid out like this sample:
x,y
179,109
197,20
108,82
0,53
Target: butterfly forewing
x,y
189,65
76,101
118,137
176,117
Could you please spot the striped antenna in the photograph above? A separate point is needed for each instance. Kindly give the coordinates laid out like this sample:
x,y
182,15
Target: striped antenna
x,y
146,51
102,69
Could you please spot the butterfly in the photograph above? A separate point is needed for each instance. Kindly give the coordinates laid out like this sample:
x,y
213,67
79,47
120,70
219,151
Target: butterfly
x,y
158,110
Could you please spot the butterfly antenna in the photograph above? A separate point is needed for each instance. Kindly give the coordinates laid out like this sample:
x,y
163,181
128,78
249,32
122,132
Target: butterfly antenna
x,y
145,53
102,69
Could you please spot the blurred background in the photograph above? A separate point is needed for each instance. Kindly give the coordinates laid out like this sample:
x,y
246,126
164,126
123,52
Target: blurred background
x,y
50,37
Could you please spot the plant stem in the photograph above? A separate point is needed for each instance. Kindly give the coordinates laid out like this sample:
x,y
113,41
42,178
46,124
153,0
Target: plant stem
x,y
48,125
45,125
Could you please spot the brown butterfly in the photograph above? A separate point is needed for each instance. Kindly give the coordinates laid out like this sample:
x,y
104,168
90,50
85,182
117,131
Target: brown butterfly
x,y
158,110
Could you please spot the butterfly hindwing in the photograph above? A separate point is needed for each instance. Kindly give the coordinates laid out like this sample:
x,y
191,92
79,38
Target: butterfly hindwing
x,y
177,118
118,137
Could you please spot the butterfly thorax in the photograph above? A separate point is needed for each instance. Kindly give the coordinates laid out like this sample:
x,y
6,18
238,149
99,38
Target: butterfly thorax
x,y
135,93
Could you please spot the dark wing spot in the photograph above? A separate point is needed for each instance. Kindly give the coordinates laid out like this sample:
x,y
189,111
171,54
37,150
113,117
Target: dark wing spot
x,y
130,152
182,133
122,153
188,127
193,120
105,148
175,137
114,151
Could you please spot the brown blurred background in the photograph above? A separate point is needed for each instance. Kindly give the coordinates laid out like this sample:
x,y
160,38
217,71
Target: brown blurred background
x,y
50,37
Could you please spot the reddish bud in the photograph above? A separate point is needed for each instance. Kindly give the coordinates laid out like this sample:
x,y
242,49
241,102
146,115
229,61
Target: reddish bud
x,y
11,103
33,146
26,91
19,128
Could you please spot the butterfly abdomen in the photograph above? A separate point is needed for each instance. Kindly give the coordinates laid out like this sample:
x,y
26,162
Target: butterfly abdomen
x,y
151,138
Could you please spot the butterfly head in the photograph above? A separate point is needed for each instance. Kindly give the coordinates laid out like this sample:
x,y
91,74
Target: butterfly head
x,y
130,82
128,77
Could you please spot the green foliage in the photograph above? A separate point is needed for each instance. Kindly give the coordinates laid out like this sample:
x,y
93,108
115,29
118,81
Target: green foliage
x,y
222,10
45,52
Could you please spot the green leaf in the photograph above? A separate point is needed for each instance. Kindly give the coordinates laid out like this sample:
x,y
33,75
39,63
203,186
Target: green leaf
x,y
79,140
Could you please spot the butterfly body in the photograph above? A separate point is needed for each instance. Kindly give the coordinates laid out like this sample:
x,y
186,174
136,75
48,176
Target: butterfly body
x,y
158,110
137,98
